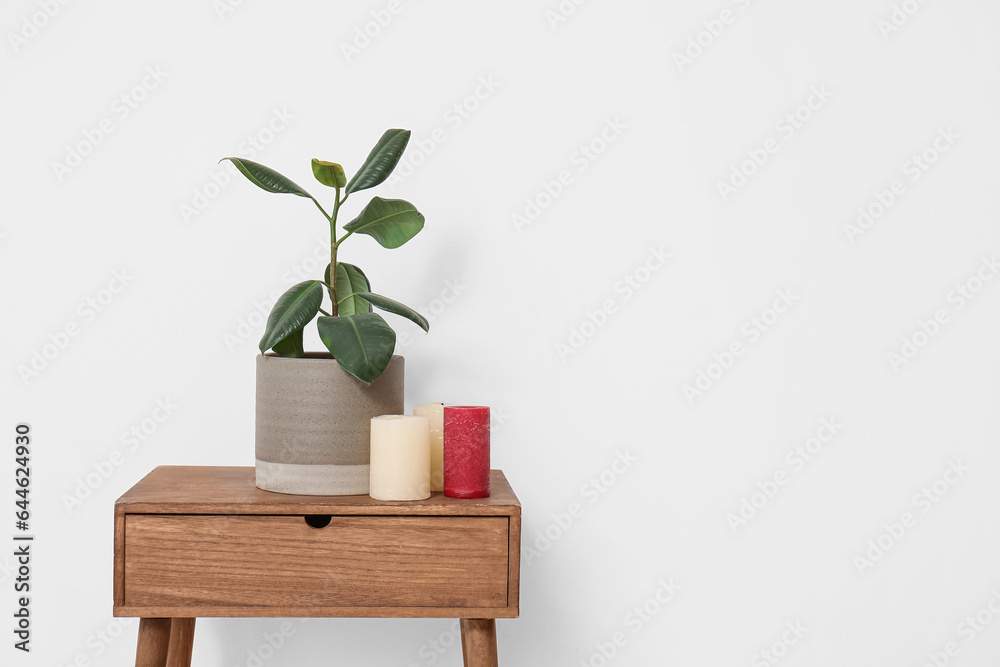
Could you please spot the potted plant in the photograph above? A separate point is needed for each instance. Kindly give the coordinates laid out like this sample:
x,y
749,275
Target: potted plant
x,y
313,410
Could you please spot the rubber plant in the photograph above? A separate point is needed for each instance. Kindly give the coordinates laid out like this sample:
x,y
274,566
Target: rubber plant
x,y
358,338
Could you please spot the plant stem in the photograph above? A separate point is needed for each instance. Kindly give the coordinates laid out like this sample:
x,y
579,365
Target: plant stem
x,y
344,237
333,252
321,210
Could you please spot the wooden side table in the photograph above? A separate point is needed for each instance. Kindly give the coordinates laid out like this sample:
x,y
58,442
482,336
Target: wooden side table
x,y
205,541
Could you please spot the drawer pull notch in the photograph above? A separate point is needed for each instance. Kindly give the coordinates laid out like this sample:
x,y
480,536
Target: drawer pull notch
x,y
318,520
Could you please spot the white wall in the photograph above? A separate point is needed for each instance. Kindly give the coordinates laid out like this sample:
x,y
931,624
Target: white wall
x,y
882,95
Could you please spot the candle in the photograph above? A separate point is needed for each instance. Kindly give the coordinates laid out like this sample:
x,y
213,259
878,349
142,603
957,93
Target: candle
x,y
400,458
435,412
466,451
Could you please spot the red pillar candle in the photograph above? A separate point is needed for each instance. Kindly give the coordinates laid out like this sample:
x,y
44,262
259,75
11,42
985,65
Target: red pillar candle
x,y
466,451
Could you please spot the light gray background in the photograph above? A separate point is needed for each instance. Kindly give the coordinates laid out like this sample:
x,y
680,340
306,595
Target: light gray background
x,y
885,81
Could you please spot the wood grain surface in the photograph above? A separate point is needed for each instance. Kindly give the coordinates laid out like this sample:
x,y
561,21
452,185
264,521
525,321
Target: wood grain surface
x,y
153,642
205,541
479,642
280,561
232,490
181,642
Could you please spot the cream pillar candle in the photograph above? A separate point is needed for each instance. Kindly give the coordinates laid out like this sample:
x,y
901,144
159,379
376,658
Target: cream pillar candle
x,y
400,458
435,412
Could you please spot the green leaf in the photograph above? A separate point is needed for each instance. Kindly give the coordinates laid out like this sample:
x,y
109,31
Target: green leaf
x,y
267,178
381,161
357,281
362,344
391,222
385,303
293,310
290,346
329,173
351,280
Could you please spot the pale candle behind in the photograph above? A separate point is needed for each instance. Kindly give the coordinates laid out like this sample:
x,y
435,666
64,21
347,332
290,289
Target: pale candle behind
x,y
435,412
400,458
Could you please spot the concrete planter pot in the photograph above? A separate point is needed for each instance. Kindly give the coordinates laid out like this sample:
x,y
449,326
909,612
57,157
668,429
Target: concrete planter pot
x,y
313,425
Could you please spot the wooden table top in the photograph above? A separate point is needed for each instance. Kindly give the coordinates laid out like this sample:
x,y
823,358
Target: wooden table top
x,y
233,490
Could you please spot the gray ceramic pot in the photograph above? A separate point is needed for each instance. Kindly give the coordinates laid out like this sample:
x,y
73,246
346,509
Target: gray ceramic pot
x,y
314,423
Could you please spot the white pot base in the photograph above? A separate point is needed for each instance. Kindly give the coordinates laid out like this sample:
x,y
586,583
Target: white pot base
x,y
313,479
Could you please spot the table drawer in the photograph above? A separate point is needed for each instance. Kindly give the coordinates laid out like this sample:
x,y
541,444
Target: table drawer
x,y
215,561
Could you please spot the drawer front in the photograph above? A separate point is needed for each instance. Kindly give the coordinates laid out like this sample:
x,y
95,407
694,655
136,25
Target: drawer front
x,y
281,561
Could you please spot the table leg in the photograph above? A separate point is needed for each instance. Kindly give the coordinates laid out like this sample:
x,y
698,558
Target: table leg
x,y
479,642
154,640
181,642
165,642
